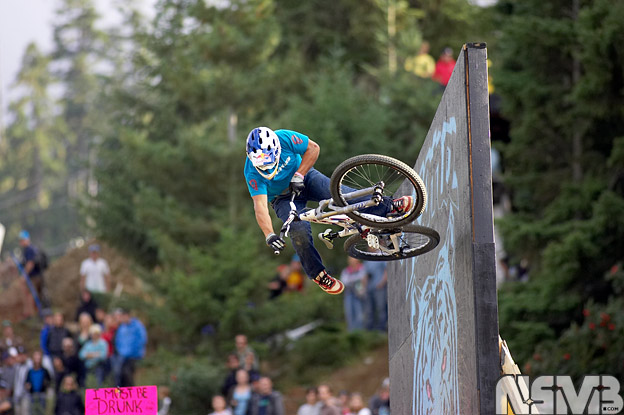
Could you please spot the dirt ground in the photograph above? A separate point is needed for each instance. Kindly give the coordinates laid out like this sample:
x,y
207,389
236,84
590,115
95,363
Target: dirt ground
x,y
63,277
11,292
62,282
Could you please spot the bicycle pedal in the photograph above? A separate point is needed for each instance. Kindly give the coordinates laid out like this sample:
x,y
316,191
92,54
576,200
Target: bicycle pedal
x,y
373,241
328,238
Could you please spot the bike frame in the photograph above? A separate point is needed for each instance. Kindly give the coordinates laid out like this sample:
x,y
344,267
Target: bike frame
x,y
336,215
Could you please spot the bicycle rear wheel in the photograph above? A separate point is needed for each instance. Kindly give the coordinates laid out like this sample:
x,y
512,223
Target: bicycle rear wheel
x,y
413,240
361,172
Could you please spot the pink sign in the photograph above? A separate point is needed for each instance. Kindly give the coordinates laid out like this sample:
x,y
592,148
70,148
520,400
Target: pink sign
x,y
135,400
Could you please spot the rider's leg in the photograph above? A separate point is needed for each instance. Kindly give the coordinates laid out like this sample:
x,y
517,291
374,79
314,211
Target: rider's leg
x,y
300,235
301,238
353,310
317,189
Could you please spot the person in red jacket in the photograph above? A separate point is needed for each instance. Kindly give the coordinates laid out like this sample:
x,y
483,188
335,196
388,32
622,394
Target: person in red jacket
x,y
444,67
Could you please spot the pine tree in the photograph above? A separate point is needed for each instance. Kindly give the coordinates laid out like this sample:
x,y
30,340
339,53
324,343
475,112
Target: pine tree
x,y
172,192
450,23
561,81
176,150
60,133
80,66
346,29
33,158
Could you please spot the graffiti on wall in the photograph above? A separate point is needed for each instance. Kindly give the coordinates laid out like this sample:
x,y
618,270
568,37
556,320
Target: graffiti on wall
x,y
433,302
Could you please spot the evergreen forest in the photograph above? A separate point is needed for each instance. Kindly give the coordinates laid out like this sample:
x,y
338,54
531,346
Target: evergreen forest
x,y
135,134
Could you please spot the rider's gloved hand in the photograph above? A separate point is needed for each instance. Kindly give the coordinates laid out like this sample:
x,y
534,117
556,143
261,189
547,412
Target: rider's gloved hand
x,y
275,242
296,183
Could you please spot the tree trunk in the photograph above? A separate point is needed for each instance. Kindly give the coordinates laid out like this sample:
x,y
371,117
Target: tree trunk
x,y
392,55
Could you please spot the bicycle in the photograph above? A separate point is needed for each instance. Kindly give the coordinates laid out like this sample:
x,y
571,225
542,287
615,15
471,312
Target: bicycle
x,y
361,182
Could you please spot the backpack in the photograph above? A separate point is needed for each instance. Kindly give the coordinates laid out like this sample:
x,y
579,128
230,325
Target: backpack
x,y
41,259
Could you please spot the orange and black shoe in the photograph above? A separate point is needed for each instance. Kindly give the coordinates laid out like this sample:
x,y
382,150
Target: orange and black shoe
x,y
328,283
402,205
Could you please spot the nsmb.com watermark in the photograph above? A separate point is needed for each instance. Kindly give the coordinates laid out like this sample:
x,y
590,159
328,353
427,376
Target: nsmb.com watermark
x,y
597,394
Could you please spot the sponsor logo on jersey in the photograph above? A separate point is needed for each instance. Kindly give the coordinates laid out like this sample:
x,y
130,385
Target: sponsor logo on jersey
x,y
281,167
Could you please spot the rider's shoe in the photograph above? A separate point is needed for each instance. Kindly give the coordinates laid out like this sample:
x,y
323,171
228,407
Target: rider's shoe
x,y
402,205
328,283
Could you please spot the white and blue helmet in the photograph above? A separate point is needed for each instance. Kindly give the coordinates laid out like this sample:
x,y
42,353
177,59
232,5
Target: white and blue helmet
x,y
263,150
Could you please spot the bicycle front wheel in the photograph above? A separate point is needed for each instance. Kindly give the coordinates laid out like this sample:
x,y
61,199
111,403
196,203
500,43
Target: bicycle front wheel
x,y
361,172
412,240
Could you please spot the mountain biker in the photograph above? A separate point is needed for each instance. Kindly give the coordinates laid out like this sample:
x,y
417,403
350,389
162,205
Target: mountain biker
x,y
280,162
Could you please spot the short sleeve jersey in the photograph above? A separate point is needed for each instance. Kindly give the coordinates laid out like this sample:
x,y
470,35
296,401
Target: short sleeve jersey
x,y
293,144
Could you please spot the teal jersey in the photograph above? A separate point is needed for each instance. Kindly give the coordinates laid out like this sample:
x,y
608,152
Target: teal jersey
x,y
293,144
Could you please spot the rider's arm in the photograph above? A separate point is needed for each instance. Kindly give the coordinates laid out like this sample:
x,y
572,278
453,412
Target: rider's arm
x,y
309,158
262,214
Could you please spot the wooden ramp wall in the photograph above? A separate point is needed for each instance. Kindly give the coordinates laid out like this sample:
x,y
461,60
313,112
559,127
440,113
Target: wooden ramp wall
x,y
443,330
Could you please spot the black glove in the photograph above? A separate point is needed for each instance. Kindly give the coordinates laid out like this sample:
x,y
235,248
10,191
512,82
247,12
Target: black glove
x,y
296,184
275,242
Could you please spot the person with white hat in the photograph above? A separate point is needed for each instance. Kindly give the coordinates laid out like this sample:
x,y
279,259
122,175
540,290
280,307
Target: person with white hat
x,y
94,353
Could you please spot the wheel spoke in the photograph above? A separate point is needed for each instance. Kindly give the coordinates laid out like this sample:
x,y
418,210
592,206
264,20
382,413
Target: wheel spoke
x,y
366,171
410,242
392,181
360,174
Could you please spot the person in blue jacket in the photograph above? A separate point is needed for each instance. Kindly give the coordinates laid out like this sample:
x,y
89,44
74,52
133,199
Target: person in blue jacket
x,y
130,342
280,163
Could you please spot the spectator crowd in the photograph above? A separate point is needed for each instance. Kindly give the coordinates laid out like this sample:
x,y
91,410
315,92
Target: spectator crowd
x,y
71,357
425,66
96,348
288,278
246,391
365,296
320,400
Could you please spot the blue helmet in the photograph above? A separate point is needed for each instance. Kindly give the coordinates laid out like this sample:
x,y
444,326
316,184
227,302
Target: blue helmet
x,y
263,150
